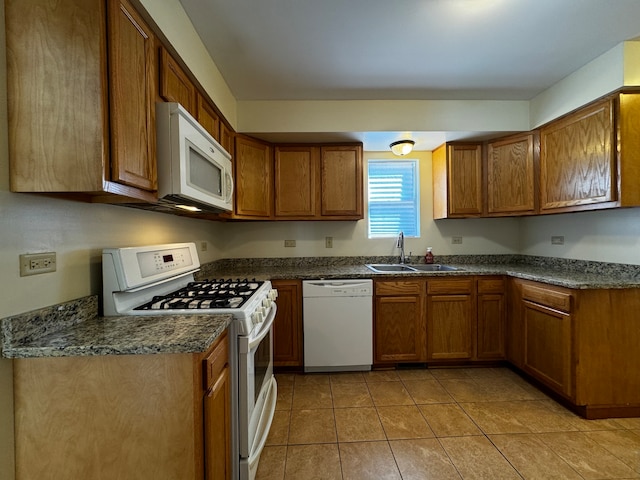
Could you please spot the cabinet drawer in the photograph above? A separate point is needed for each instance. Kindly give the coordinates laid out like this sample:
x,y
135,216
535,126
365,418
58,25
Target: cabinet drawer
x,y
215,362
399,288
449,286
548,297
490,285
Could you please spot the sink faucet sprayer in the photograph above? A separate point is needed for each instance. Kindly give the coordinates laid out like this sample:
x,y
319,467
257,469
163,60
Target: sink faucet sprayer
x,y
400,245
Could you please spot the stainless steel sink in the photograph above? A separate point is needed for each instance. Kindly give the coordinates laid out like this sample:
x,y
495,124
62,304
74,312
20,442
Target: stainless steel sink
x,y
402,268
435,267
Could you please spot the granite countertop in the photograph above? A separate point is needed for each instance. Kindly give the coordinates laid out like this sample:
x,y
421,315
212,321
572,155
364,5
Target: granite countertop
x,y
553,275
75,329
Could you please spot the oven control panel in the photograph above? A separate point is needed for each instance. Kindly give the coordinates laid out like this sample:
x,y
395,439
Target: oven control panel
x,y
134,267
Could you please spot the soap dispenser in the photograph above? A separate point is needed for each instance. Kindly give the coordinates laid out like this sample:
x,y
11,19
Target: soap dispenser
x,y
428,258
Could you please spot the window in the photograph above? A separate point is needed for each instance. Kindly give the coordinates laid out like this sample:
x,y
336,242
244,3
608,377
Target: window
x,y
394,200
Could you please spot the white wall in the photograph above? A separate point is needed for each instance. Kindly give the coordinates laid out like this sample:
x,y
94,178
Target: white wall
x,y
266,239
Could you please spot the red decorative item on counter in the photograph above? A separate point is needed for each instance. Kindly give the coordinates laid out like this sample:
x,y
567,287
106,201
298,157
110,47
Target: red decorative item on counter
x,y
428,258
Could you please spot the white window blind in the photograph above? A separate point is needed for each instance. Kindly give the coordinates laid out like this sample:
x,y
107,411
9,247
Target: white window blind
x,y
394,203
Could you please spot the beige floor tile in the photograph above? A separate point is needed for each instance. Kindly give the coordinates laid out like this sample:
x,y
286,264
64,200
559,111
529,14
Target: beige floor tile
x,y
312,379
476,458
368,461
351,395
427,391
381,376
449,373
313,462
415,374
423,459
624,444
347,377
390,393
358,424
538,417
630,423
285,396
285,378
448,420
532,458
466,390
580,423
496,417
402,422
272,462
312,426
587,457
279,432
502,389
311,396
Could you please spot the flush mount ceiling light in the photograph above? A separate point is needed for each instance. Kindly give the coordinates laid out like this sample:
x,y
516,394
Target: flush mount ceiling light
x,y
402,147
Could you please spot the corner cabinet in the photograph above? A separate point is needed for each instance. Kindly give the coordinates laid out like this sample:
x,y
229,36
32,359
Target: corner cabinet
x,y
287,327
162,416
82,110
399,325
457,181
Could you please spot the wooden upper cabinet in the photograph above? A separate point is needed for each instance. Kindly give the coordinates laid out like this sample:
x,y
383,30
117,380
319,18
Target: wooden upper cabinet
x,y
341,181
75,125
296,170
253,168
457,181
227,138
511,175
208,117
578,160
133,86
175,85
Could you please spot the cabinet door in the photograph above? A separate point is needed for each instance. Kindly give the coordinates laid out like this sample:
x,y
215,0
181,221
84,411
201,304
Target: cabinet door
x,y
490,344
253,178
399,326
296,181
449,327
341,181
547,346
132,87
217,428
577,159
208,118
457,181
510,175
287,327
175,85
227,138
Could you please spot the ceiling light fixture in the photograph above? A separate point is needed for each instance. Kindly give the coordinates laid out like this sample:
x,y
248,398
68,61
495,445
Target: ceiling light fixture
x,y
402,147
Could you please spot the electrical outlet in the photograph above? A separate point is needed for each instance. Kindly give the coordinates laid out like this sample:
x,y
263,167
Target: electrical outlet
x,y
456,240
328,242
557,240
289,243
37,263
203,246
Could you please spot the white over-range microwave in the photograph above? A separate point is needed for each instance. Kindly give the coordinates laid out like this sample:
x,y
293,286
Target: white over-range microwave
x,y
194,171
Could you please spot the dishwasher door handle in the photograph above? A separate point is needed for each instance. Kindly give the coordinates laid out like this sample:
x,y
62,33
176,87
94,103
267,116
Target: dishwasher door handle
x,y
325,284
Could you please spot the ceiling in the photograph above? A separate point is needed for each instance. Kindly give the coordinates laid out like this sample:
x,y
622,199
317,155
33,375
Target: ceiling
x,y
406,49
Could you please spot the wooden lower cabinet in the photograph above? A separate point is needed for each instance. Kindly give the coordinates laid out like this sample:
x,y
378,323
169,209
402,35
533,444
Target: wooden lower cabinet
x,y
123,416
490,342
399,322
451,320
287,327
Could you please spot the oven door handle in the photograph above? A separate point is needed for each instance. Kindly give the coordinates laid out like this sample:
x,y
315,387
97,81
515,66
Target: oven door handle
x,y
254,340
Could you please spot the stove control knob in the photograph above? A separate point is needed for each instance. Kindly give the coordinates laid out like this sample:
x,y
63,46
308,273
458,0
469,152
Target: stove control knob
x,y
257,317
273,294
266,302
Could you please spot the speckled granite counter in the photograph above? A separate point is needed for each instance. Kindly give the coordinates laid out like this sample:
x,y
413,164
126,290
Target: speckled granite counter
x,y
74,329
565,273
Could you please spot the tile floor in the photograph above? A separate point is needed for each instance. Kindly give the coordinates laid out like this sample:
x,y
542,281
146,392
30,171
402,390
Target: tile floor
x,y
471,423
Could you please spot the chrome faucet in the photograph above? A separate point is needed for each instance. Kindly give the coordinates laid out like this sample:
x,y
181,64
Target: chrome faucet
x,y
400,245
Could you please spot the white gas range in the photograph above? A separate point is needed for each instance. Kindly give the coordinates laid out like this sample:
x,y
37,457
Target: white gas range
x,y
159,279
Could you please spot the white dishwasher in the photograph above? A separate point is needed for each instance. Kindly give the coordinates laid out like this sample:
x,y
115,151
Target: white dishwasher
x,y
338,325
